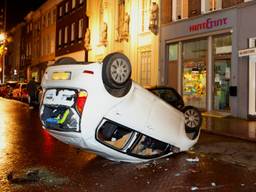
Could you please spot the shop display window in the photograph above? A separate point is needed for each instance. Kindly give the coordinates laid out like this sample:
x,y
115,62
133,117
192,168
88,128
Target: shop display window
x,y
194,73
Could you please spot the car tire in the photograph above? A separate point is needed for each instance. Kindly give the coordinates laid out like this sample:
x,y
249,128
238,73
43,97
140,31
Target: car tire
x,y
116,71
193,120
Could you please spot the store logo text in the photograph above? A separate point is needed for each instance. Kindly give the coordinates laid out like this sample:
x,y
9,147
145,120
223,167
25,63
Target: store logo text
x,y
208,24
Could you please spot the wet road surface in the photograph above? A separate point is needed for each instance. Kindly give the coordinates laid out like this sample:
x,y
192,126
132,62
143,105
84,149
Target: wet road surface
x,y
32,160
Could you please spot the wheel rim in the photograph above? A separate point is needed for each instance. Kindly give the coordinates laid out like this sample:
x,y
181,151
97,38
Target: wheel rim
x,y
120,70
192,118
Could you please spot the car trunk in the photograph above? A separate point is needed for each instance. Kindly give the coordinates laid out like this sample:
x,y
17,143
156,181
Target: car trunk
x,y
61,109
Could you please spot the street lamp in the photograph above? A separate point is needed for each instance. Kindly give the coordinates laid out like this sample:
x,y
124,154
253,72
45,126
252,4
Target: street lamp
x,y
2,38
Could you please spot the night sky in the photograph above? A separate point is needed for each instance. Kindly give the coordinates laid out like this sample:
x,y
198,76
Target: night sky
x,y
18,9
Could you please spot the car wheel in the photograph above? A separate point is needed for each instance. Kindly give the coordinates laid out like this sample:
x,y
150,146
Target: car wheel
x,y
193,119
116,70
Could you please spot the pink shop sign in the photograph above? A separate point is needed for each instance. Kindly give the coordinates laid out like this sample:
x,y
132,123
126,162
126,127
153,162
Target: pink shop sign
x,y
208,24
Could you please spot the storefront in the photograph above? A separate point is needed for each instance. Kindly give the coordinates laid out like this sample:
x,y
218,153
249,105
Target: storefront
x,y
200,59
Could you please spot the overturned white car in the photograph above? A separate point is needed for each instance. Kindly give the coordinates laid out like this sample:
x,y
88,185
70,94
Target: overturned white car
x,y
97,107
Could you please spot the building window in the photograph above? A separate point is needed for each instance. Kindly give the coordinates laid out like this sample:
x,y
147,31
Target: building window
x,y
101,20
210,5
60,11
121,14
43,23
66,7
80,28
145,71
46,20
145,12
60,38
66,35
226,4
179,9
54,16
73,4
73,32
52,49
28,28
48,45
222,49
49,18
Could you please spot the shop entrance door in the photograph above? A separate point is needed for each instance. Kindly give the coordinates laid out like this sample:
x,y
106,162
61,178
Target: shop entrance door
x,y
221,84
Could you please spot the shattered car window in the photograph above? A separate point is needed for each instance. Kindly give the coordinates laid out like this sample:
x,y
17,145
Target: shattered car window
x,y
148,146
114,135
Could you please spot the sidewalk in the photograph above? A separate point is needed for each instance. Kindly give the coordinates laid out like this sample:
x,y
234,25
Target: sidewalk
x,y
230,126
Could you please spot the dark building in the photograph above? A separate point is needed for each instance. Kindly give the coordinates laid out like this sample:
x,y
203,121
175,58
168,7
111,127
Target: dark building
x,y
2,15
26,45
71,25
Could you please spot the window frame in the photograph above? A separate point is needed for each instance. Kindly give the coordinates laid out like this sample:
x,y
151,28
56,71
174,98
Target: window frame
x,y
184,10
60,38
60,10
66,34
210,5
145,68
73,4
73,31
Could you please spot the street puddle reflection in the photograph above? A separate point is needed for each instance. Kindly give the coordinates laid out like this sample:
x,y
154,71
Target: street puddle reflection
x,y
252,130
48,143
4,119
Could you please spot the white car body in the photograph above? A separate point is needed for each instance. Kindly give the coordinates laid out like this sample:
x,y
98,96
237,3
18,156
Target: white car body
x,y
140,111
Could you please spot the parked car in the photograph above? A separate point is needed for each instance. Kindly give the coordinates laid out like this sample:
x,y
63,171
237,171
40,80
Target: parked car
x,y
193,117
97,107
20,92
10,85
2,89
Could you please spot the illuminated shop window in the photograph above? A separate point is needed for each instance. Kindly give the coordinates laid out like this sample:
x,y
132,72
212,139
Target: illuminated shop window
x,y
179,9
194,72
145,70
210,5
